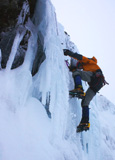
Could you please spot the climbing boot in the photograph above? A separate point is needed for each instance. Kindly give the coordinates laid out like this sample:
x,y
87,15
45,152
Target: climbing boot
x,y
84,125
78,90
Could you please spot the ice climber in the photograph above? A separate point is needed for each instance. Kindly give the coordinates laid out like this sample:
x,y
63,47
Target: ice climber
x,y
86,69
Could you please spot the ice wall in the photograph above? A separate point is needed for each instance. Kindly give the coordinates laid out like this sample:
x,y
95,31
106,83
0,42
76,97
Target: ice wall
x,y
37,117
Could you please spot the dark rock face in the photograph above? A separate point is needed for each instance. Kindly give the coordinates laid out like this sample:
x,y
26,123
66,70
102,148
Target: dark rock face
x,y
32,4
39,58
6,43
9,12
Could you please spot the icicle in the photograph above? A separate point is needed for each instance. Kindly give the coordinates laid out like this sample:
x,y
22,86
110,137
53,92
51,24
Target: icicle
x,y
56,24
24,12
21,30
14,49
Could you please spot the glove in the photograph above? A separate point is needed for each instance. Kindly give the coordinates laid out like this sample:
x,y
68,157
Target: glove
x,y
71,68
66,52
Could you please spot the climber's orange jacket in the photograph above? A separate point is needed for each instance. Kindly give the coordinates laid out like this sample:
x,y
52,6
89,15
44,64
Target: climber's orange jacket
x,y
89,64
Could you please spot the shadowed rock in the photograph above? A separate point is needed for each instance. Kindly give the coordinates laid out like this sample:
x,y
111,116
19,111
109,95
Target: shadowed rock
x,y
9,12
